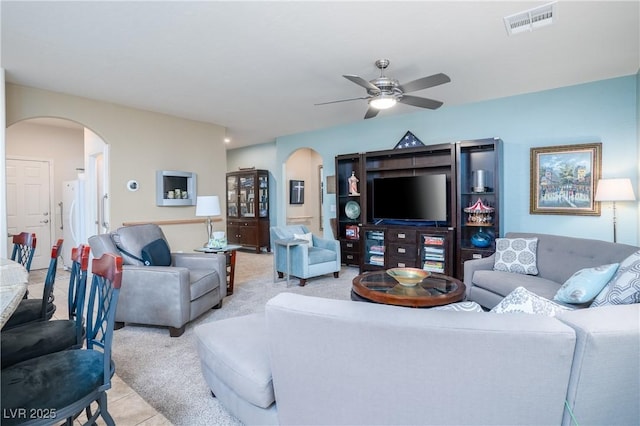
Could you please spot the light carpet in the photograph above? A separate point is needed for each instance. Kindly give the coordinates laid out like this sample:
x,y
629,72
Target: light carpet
x,y
166,371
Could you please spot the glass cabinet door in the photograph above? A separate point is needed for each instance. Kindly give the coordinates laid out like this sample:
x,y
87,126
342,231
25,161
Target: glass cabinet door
x,y
232,196
247,196
263,200
374,247
433,253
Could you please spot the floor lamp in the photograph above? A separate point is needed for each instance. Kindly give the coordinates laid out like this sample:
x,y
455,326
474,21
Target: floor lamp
x,y
614,190
208,205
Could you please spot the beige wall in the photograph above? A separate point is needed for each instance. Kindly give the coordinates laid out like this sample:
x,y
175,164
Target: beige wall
x,y
141,142
64,147
303,165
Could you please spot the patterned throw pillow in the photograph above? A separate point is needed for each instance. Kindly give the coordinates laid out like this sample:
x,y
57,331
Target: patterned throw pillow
x,y
467,306
523,301
624,287
584,285
516,255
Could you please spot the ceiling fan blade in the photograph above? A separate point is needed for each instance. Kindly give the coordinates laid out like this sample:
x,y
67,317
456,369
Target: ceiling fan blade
x,y
343,100
371,112
425,82
420,102
361,82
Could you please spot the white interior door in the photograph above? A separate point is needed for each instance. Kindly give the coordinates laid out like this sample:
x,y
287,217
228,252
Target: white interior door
x,y
29,205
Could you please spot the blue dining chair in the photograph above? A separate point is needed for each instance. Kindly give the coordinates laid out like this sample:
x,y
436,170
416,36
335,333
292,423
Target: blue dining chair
x,y
35,310
24,246
64,384
44,337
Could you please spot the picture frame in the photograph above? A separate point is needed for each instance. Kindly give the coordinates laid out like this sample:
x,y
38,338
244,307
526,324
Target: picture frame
x,y
331,184
296,192
563,179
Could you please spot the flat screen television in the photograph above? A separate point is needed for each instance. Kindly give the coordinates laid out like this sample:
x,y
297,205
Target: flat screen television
x,y
410,198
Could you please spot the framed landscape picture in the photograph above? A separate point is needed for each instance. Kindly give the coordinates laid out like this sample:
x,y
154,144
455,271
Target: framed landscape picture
x,y
564,178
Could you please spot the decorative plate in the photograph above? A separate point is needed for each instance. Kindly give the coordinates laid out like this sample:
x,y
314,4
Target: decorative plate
x,y
352,210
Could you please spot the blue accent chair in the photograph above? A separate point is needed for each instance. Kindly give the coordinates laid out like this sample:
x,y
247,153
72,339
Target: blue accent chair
x,y
64,384
37,310
35,339
306,260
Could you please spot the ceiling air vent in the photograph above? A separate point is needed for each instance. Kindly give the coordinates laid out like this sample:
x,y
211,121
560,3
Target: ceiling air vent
x,y
531,19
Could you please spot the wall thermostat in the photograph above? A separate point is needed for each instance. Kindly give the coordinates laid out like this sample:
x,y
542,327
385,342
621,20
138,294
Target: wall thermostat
x,y
132,185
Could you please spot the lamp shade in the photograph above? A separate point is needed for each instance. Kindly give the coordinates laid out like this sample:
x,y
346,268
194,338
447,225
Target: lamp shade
x,y
614,190
208,205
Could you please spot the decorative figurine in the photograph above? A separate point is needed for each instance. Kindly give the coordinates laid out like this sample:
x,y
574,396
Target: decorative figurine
x,y
479,214
353,184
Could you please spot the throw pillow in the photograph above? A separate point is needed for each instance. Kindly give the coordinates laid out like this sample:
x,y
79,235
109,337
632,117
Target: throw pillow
x,y
522,300
308,236
624,287
466,306
516,255
584,285
156,253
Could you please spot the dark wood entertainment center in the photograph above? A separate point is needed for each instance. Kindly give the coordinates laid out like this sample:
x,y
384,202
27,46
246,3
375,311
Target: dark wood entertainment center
x,y
440,249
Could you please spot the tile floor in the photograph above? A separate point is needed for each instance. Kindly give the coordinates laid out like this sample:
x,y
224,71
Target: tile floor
x,y
126,407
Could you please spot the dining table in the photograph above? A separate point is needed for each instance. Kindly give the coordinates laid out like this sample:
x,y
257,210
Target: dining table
x,y
14,279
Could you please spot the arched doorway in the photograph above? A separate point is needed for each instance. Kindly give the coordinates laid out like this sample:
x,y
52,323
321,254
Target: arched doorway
x,y
303,180
73,177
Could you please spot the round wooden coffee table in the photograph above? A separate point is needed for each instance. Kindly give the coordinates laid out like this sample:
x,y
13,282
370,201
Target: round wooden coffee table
x,y
379,287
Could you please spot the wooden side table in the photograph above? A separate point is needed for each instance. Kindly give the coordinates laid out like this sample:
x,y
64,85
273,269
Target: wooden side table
x,y
230,252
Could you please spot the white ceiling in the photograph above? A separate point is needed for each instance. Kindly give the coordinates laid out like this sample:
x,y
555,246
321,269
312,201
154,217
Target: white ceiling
x,y
257,68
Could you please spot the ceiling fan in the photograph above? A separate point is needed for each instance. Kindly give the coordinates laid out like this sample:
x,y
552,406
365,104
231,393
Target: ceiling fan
x,y
384,92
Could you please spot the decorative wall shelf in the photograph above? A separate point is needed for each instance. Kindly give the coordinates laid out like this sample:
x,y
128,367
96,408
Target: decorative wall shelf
x,y
175,188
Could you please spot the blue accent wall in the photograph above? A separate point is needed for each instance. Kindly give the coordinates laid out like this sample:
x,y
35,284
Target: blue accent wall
x,y
604,111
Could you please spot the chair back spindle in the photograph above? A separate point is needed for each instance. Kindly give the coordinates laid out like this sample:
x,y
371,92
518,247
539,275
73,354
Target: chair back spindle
x,y
78,286
24,246
103,299
48,308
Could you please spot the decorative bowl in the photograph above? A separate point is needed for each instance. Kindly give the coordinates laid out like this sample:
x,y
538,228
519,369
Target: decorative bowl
x,y
408,277
481,239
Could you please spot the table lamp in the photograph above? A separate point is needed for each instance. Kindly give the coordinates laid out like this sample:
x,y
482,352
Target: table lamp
x,y
209,206
614,190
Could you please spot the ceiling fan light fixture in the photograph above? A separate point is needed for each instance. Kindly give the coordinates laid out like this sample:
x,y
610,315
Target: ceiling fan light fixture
x,y
382,101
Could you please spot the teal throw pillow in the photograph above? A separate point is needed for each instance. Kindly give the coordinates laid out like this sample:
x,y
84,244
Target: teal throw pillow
x,y
584,285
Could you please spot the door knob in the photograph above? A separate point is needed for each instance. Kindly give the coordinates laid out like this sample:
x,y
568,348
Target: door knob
x,y
44,221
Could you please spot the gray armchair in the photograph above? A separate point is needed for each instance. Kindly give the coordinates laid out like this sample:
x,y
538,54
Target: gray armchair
x,y
320,257
168,296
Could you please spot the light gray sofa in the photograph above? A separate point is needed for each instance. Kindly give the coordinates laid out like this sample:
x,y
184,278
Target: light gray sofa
x,y
169,296
334,362
558,258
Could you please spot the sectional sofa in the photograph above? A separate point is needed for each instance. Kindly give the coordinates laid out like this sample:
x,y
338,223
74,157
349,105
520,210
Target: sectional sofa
x,y
558,258
318,361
